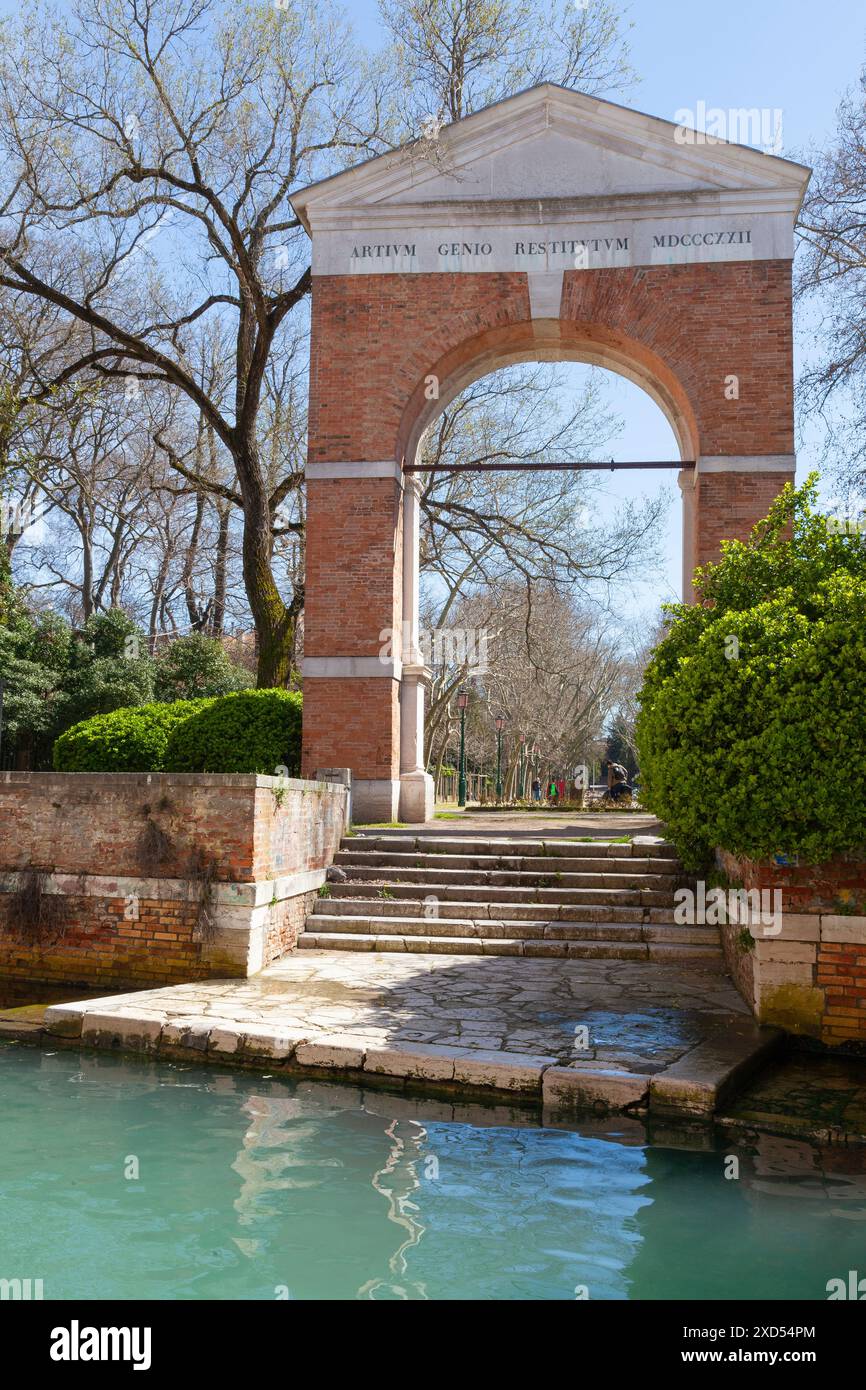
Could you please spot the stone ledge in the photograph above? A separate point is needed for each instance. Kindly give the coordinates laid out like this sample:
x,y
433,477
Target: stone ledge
x,y
102,781
692,1086
228,894
569,1090
332,1050
699,1080
840,928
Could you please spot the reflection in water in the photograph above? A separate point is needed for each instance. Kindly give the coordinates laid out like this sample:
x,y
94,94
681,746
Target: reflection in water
x,y
395,1182
279,1157
250,1187
766,1227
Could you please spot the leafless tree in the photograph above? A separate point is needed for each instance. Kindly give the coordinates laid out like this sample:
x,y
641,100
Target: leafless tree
x,y
148,150
554,670
831,286
454,56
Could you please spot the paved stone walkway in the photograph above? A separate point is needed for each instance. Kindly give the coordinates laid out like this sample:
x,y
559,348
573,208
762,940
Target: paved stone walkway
x,y
595,825
578,1034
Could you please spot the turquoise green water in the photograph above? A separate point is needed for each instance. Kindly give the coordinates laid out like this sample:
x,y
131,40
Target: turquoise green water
x,y
251,1188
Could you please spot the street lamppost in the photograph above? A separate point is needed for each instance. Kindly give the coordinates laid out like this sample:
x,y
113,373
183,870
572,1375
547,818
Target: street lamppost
x,y
522,772
500,725
462,702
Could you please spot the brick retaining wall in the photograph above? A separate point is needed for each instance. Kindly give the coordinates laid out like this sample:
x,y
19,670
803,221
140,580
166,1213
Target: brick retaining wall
x,y
135,878
811,976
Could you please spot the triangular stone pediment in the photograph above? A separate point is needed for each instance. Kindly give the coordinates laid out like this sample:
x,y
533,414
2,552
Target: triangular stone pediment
x,y
552,164
550,143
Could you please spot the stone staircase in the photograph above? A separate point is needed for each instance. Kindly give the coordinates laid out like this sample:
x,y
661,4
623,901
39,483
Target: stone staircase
x,y
507,897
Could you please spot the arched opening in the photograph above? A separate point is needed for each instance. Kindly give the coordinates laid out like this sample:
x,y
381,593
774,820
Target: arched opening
x,y
547,340
672,432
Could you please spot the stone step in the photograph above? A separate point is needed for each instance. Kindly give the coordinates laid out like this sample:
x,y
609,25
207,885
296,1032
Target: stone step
x,y
370,904
493,893
610,932
520,845
446,877
509,863
513,946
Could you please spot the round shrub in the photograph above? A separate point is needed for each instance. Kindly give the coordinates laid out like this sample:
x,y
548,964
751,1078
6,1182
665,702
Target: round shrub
x,y
132,739
247,731
751,733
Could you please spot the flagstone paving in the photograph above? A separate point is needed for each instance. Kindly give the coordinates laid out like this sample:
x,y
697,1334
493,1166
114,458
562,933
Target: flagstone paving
x,y
580,1034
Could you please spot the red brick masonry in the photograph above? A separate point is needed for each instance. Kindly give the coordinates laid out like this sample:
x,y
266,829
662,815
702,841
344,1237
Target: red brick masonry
x,y
811,976
125,879
380,341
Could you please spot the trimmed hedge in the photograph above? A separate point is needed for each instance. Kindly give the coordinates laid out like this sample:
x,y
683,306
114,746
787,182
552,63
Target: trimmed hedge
x,y
248,731
752,732
132,739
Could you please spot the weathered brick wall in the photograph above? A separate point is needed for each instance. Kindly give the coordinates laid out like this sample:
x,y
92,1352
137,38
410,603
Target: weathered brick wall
x,y
379,340
91,942
703,323
376,338
157,879
287,921
810,977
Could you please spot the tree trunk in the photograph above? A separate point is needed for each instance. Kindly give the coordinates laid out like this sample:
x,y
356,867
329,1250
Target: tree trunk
x,y
275,623
194,613
219,598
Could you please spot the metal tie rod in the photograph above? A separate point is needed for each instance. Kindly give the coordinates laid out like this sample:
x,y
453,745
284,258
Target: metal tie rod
x,y
609,465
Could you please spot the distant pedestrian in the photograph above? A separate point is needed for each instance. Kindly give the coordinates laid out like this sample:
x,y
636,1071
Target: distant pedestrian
x,y
620,788
552,791
536,789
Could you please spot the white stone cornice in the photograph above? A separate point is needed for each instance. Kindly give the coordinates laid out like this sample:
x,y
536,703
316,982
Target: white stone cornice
x,y
741,463
386,468
544,212
352,667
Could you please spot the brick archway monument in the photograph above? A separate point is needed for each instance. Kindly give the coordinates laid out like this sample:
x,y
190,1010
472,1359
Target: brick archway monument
x,y
549,226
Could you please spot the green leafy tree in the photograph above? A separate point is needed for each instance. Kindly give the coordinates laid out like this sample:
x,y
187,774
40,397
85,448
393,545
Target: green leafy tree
x,y
32,684
751,731
55,677
197,666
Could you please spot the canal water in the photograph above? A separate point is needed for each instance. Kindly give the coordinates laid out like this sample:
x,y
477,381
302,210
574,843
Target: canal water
x,y
133,1180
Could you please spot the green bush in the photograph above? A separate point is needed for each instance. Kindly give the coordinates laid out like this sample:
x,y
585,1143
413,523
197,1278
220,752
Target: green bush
x,y
751,733
127,740
248,731
196,666
56,678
